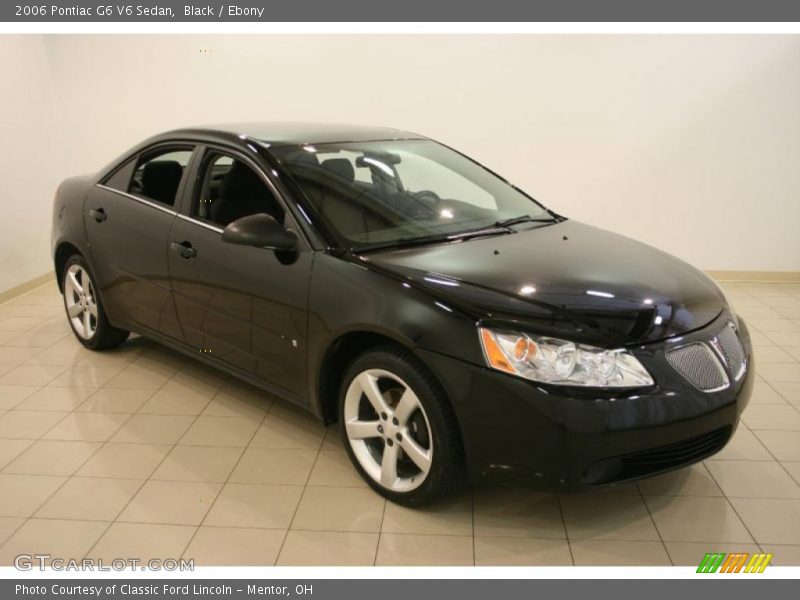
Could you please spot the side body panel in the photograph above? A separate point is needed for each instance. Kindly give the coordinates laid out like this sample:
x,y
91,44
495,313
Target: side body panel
x,y
244,306
347,296
129,258
67,226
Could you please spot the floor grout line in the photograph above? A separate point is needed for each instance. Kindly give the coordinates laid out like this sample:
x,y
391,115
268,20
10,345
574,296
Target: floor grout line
x,y
144,482
655,525
733,508
775,459
300,500
67,478
564,525
380,533
227,480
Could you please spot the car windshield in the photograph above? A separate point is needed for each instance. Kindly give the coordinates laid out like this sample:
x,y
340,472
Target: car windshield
x,y
385,193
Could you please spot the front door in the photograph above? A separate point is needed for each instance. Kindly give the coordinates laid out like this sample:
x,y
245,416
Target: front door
x,y
243,306
128,217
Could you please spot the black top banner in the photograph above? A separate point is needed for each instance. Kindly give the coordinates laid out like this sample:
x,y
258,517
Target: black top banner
x,y
402,11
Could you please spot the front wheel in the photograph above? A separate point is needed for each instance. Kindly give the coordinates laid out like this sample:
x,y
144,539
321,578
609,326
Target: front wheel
x,y
85,310
399,429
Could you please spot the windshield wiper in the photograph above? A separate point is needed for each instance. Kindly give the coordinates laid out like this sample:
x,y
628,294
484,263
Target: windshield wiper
x,y
524,219
415,240
497,228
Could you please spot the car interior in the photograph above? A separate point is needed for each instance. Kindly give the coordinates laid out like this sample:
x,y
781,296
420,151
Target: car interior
x,y
331,187
364,196
230,190
160,180
158,177
361,195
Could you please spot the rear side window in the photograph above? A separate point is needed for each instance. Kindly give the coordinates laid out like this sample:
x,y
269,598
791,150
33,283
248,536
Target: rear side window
x,y
158,175
121,178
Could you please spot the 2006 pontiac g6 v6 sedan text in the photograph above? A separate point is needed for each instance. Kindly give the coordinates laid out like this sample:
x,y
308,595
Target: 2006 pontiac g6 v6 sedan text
x,y
456,328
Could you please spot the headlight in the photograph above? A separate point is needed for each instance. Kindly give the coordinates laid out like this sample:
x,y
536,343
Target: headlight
x,y
560,362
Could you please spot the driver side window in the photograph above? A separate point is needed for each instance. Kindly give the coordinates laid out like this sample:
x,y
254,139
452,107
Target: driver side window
x,y
230,189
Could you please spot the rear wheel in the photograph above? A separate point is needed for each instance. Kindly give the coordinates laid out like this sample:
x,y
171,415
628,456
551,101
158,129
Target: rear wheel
x,y
85,309
399,429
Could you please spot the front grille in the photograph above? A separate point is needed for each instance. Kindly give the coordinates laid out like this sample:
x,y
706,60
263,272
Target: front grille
x,y
656,460
711,366
679,453
698,364
731,349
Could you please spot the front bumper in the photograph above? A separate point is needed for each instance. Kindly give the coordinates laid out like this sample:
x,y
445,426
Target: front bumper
x,y
521,432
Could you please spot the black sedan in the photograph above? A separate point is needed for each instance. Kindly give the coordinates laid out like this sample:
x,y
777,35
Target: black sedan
x,y
456,328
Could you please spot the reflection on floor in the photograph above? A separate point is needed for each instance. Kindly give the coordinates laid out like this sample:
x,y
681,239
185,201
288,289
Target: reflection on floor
x,y
142,453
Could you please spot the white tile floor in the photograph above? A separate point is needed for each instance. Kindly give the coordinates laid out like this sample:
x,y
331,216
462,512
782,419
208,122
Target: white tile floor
x,y
141,452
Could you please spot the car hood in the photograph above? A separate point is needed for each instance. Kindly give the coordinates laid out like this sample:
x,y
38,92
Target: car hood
x,y
567,279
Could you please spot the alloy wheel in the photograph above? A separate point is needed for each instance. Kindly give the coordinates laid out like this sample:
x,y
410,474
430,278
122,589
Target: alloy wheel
x,y
81,301
388,430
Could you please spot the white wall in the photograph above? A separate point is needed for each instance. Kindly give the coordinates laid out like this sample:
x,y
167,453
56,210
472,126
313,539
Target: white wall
x,y
689,143
30,142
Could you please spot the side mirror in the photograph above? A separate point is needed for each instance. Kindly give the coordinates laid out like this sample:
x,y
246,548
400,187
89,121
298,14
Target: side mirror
x,y
260,230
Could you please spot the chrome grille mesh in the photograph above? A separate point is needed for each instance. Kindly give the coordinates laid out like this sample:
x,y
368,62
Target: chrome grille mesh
x,y
732,351
698,364
712,365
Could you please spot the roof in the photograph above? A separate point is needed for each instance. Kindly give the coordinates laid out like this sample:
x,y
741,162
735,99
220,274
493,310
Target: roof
x,y
298,133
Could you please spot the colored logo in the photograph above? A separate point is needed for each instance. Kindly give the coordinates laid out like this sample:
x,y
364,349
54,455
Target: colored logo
x,y
736,562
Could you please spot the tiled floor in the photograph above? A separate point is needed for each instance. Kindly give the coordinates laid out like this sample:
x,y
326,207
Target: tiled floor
x,y
139,452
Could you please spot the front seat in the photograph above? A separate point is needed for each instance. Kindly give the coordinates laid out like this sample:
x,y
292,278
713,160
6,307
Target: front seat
x,y
243,193
342,167
348,216
160,180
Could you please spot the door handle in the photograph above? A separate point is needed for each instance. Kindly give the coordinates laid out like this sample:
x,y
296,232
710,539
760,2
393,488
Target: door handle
x,y
98,214
185,249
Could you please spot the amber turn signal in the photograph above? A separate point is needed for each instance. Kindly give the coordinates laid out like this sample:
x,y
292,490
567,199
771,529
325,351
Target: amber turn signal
x,y
494,354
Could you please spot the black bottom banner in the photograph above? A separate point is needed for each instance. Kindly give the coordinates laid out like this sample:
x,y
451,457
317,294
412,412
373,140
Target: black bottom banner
x,y
394,589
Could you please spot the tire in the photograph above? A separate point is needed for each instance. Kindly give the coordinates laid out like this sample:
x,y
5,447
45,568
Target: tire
x,y
415,420
81,297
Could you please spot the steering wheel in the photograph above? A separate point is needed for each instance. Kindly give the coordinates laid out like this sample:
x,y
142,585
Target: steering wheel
x,y
427,197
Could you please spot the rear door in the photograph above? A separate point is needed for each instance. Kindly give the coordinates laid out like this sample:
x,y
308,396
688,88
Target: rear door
x,y
128,217
243,306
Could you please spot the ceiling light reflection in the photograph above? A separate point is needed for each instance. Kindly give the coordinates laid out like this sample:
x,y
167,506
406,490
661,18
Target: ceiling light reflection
x,y
600,294
441,281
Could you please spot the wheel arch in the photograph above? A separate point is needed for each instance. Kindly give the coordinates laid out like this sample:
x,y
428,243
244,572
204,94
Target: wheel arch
x,y
63,251
339,352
